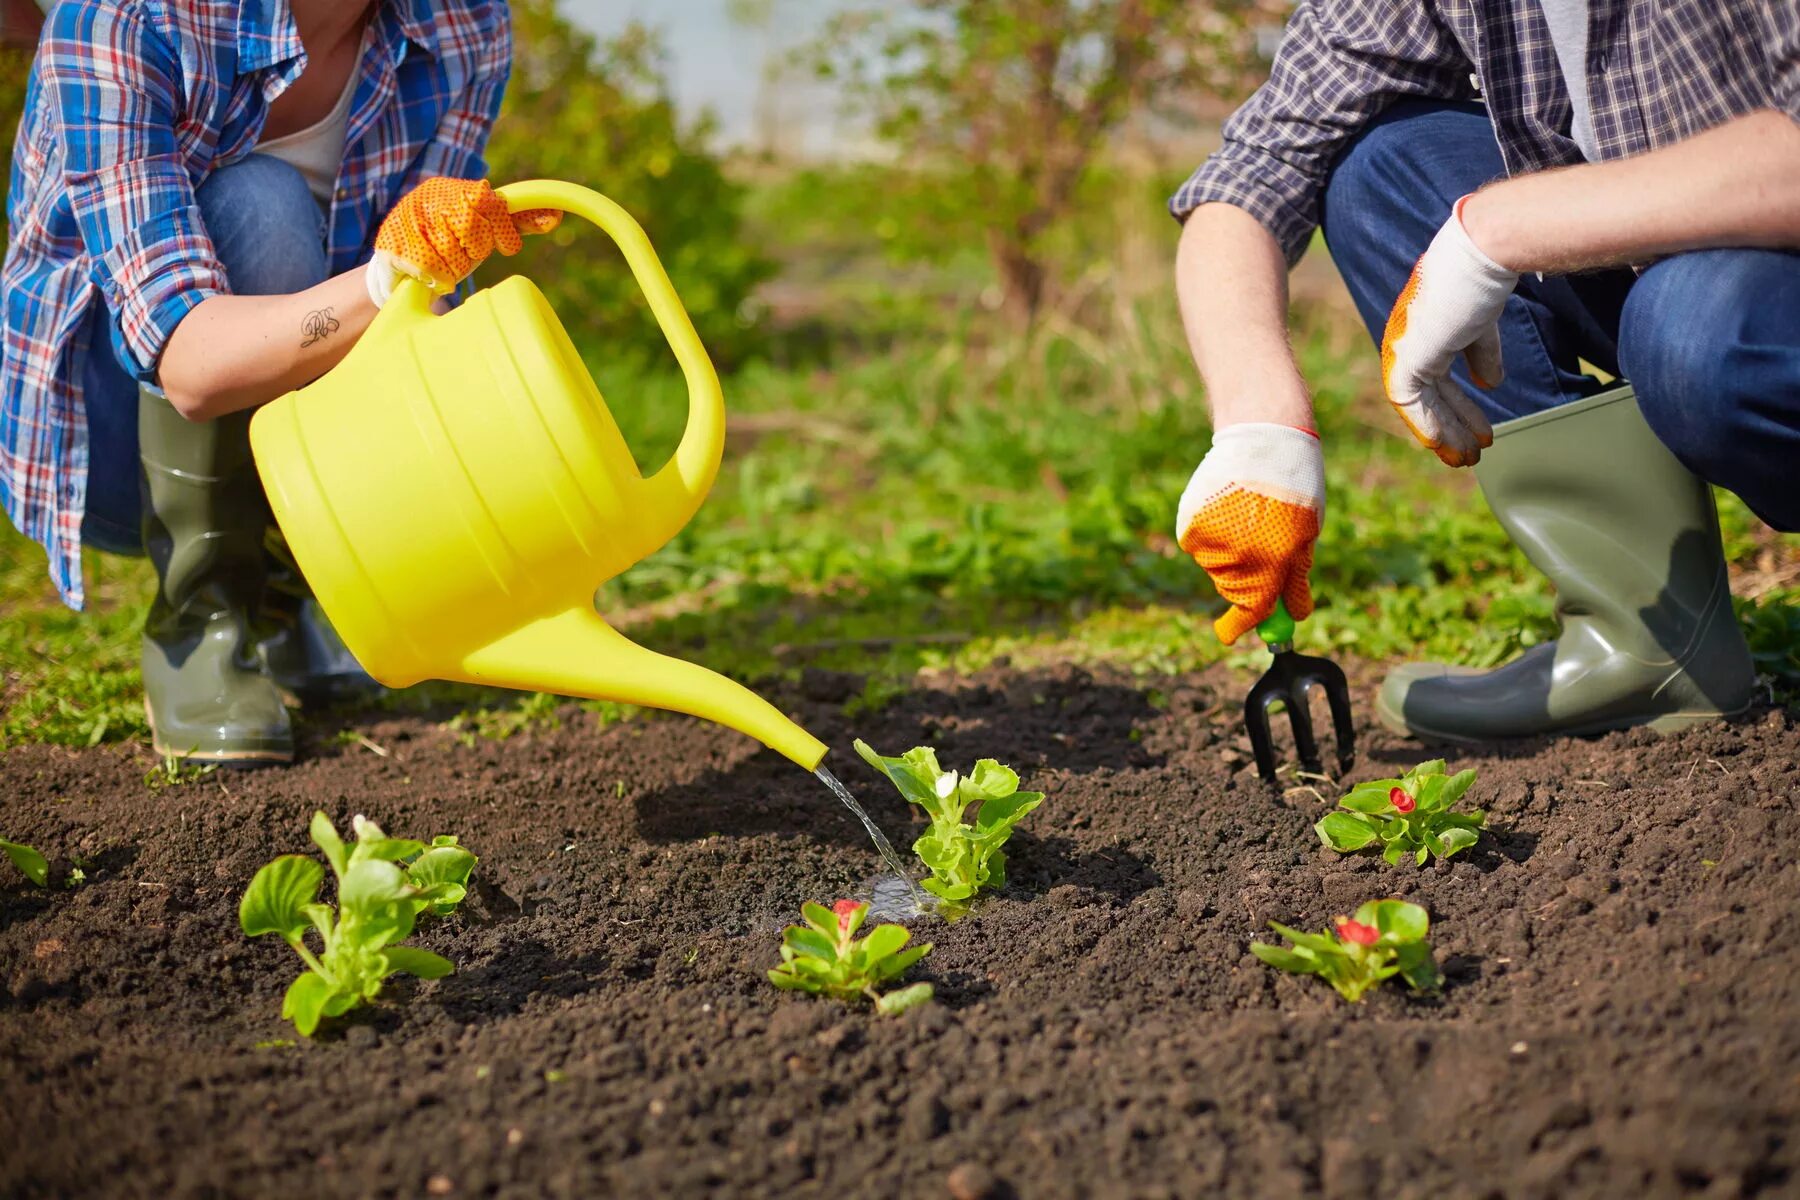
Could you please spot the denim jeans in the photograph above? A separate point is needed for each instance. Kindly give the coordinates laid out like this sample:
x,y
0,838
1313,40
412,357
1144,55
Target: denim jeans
x,y
269,234
1709,339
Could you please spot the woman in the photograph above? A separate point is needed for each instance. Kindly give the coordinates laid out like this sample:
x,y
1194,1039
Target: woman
x,y
197,227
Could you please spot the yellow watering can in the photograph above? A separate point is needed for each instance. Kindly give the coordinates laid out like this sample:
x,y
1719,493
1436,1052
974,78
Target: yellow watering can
x,y
455,490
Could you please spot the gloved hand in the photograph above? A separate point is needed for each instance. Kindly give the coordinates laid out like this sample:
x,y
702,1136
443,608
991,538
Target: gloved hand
x,y
442,230
1451,305
1250,516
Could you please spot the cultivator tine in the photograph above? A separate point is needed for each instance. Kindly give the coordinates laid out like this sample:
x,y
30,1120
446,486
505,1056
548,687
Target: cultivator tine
x,y
1300,714
1337,694
1256,720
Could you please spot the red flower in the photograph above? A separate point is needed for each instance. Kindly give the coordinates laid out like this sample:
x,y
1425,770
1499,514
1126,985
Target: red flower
x,y
846,911
1399,798
1356,931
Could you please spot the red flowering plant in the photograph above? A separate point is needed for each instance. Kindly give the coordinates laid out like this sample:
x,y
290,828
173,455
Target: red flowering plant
x,y
1384,939
1406,816
825,957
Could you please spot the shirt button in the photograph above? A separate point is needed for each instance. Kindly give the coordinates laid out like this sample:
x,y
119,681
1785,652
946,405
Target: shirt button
x,y
342,192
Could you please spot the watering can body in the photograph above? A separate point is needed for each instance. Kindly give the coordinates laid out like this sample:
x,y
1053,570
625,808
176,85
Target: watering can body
x,y
455,490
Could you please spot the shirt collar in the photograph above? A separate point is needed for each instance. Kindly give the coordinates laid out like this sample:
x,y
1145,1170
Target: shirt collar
x,y
267,35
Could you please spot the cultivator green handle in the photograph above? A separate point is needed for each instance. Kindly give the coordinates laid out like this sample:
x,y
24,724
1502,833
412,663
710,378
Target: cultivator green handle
x,y
1278,628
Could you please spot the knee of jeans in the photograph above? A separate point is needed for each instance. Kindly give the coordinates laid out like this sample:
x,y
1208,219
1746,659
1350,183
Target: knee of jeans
x,y
1684,357
266,227
1361,186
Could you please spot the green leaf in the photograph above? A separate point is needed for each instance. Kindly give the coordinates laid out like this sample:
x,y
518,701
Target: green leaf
x,y
916,775
1368,800
1456,785
1433,766
443,866
822,919
1001,813
905,998
414,961
1456,838
386,849
325,837
278,896
990,781
1393,854
809,942
896,964
1430,794
1319,943
31,864
1417,967
1285,960
306,1000
787,981
1345,832
1400,920
370,883
948,891
882,941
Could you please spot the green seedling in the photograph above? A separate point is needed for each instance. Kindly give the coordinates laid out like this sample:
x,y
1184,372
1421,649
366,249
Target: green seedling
x,y
963,858
1385,938
825,957
1406,816
383,885
30,863
174,770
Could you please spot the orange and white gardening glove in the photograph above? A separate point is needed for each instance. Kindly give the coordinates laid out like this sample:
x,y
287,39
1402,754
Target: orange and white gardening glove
x,y
442,230
1451,305
1250,516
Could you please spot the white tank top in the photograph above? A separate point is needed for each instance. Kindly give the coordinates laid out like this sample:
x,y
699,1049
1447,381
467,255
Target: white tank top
x,y
318,150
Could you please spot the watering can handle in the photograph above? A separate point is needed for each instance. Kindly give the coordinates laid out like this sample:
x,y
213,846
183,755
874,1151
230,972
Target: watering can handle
x,y
677,489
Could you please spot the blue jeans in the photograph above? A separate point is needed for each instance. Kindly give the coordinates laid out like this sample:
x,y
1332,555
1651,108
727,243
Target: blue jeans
x,y
1710,339
269,234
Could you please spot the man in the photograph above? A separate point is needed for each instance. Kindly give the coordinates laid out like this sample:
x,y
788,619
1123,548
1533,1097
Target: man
x,y
193,211
1508,188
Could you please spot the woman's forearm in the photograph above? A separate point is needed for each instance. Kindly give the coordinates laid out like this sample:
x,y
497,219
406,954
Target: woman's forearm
x,y
1735,185
1231,279
237,352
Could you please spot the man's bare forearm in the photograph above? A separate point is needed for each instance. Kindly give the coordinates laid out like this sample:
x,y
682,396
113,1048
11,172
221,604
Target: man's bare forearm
x,y
1231,279
1735,185
236,352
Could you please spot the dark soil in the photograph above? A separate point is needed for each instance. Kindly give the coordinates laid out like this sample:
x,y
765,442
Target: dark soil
x,y
1621,1015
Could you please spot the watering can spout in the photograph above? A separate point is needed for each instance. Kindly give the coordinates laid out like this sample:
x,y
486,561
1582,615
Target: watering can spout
x,y
576,653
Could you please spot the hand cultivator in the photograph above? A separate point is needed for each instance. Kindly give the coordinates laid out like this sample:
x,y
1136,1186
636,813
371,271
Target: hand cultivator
x,y
1289,679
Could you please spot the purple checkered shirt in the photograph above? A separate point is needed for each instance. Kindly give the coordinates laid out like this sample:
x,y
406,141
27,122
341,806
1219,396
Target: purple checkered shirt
x,y
1658,71
131,104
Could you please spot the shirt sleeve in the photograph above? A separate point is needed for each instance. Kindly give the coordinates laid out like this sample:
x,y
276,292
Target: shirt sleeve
x,y
114,83
458,147
1340,63
1780,20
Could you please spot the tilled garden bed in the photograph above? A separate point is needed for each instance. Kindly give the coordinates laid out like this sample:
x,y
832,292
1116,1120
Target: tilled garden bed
x,y
1620,1016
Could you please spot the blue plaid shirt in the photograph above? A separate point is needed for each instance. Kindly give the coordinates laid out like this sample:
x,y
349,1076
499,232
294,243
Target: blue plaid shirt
x,y
131,104
1658,71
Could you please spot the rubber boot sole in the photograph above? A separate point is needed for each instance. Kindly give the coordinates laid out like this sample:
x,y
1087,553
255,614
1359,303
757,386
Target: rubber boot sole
x,y
235,759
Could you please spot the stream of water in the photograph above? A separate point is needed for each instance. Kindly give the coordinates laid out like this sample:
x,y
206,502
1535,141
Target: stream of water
x,y
893,898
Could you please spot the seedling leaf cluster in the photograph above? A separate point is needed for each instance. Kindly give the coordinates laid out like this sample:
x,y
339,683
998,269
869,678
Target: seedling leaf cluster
x,y
383,885
1409,816
826,958
963,857
1384,939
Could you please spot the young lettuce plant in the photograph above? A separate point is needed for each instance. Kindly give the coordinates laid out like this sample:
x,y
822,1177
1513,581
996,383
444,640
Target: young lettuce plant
x,y
963,858
825,957
31,864
1406,816
1385,938
383,884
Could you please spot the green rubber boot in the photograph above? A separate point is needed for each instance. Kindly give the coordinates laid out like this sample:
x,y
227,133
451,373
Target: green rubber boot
x,y
300,649
206,694
1630,538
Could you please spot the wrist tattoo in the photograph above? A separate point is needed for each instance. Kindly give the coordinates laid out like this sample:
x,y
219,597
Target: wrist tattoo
x,y
318,325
